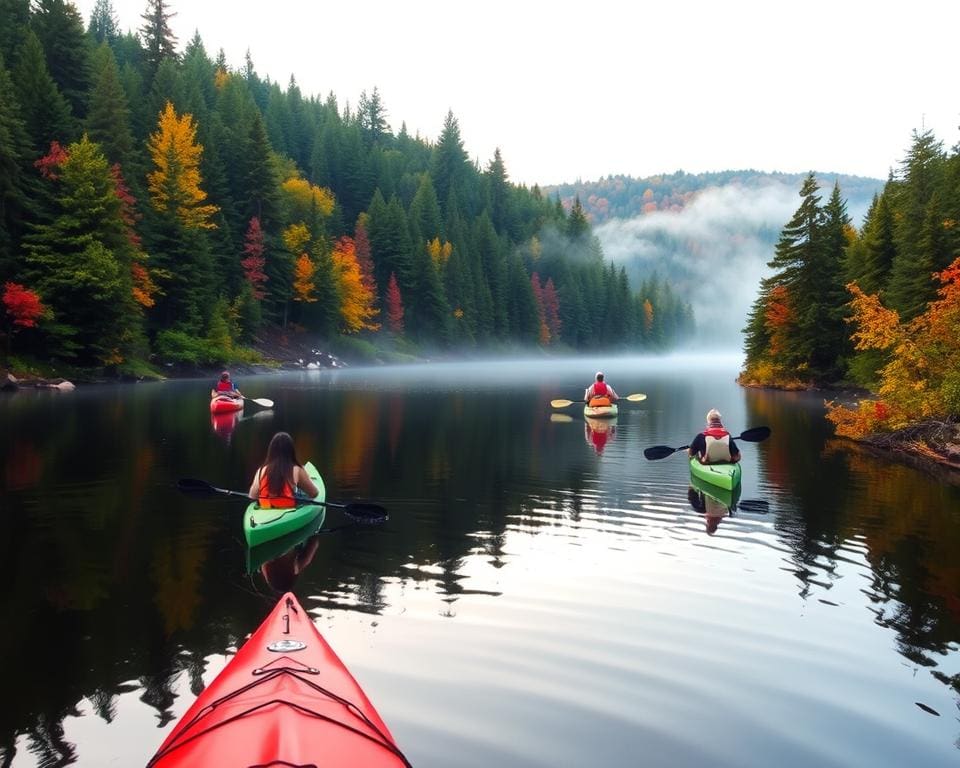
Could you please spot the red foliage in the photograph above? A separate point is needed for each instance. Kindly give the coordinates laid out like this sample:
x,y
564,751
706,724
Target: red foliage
x,y
544,334
254,262
51,162
551,309
22,304
361,244
394,306
128,202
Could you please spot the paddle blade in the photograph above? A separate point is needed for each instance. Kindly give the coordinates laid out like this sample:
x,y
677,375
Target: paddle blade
x,y
755,435
660,452
639,397
261,401
367,514
561,403
560,418
196,487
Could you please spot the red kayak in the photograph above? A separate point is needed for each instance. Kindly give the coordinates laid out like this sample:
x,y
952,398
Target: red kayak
x,y
285,699
225,404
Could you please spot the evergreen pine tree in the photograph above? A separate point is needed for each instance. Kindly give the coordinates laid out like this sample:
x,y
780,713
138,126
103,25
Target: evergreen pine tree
x,y
108,118
159,42
449,163
46,114
59,28
14,23
103,26
911,283
16,183
81,261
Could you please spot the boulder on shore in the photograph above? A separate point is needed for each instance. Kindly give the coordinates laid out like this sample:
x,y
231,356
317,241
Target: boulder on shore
x,y
11,383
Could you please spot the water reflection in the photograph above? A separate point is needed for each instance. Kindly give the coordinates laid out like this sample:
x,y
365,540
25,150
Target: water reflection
x,y
281,562
598,432
546,589
224,423
712,502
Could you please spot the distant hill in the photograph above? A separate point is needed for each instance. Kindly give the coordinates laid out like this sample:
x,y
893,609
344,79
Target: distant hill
x,y
709,235
624,197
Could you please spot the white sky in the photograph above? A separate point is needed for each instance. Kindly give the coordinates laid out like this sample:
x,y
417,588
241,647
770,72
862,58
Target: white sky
x,y
572,90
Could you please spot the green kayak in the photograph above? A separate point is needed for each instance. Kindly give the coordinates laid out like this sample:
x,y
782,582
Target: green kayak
x,y
728,498
260,525
272,549
725,476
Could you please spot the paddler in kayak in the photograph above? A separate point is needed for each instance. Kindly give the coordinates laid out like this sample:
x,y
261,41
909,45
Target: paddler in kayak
x,y
225,386
281,479
600,388
714,445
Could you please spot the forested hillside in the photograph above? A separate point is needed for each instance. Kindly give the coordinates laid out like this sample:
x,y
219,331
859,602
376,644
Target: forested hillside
x,y
624,197
878,306
159,202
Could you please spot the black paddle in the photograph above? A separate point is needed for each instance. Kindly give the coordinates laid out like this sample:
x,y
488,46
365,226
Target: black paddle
x,y
358,511
754,435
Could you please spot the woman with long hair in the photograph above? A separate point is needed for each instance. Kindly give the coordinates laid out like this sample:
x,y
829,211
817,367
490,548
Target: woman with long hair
x,y
281,478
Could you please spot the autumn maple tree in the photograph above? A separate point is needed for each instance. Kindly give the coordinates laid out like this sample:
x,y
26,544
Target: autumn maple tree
x,y
303,284
357,311
921,379
253,259
23,306
394,306
174,183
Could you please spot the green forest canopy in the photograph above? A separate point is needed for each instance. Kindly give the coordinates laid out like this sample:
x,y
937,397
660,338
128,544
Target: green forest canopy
x,y
164,203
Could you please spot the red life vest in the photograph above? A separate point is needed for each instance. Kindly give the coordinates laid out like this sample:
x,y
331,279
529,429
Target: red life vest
x,y
268,501
715,432
225,386
599,389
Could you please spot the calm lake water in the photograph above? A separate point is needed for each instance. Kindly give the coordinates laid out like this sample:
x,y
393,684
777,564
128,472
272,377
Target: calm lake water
x,y
541,595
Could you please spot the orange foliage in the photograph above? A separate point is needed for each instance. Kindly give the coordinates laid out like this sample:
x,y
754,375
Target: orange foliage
x,y
647,316
144,288
922,378
303,285
174,183
357,312
778,317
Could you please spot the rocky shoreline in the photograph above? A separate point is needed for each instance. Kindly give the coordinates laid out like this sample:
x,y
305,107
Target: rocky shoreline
x,y
931,442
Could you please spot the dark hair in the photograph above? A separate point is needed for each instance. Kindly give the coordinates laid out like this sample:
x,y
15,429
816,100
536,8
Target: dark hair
x,y
281,572
599,377
279,464
225,376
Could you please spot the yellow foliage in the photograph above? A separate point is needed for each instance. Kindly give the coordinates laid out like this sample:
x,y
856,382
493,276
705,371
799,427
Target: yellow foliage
x,y
302,198
295,238
220,78
439,253
303,285
458,313
535,248
919,380
356,300
174,184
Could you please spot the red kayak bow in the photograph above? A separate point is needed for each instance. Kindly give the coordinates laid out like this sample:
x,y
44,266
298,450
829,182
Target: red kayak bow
x,y
285,699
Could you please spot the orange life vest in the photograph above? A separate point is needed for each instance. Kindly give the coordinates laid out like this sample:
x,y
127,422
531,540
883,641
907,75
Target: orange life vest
x,y
266,501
